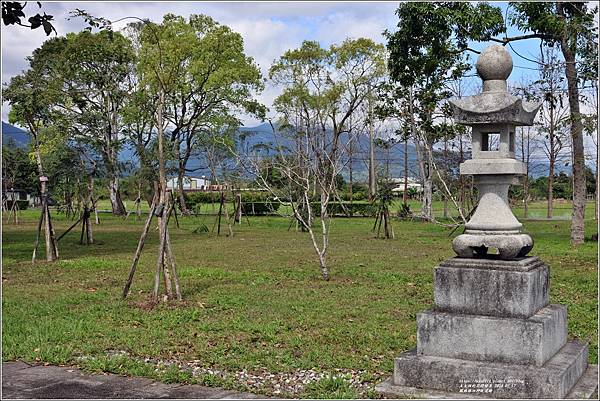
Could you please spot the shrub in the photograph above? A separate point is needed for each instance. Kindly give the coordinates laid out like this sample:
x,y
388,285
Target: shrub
x,y
192,199
21,204
263,204
359,196
345,196
404,212
257,208
363,209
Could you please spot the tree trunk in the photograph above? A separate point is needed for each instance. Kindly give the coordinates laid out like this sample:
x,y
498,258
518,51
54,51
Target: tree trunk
x,y
424,166
118,209
550,212
182,204
596,208
372,177
87,208
446,165
49,237
238,208
568,46
426,203
427,179
350,181
405,193
164,209
325,236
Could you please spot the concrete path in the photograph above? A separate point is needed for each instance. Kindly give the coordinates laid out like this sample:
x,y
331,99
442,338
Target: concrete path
x,y
20,380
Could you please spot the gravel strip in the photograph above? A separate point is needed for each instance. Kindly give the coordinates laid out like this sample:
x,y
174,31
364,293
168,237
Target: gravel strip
x,y
280,384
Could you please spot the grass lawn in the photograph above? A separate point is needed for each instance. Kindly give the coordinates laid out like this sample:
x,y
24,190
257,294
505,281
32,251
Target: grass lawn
x,y
254,303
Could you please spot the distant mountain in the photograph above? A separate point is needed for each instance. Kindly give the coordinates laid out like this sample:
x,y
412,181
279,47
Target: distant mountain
x,y
392,158
16,135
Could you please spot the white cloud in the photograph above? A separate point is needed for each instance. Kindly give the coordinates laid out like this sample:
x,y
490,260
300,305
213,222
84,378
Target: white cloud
x,y
268,28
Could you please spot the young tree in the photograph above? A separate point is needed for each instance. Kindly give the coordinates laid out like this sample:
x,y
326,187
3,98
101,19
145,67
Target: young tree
x,y
553,115
139,130
18,170
323,88
216,81
570,26
527,146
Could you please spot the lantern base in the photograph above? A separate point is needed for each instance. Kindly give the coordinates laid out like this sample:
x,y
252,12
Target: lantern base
x,y
509,247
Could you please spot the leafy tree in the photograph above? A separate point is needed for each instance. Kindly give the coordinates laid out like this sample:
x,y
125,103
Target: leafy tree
x,y
570,26
18,170
553,117
33,96
322,89
139,129
95,70
425,53
215,82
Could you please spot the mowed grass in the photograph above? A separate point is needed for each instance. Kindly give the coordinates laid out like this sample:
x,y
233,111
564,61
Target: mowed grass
x,y
255,300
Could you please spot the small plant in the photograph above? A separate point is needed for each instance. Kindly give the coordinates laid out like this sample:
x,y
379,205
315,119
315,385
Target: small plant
x,y
202,228
404,212
384,199
173,374
330,388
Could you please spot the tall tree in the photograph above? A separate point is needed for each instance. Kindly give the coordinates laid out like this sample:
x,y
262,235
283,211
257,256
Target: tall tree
x,y
33,96
427,51
95,72
216,83
570,26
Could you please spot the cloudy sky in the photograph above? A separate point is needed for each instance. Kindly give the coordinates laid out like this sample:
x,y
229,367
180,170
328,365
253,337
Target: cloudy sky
x,y
268,28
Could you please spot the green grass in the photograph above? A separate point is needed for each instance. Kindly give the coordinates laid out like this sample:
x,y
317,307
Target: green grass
x,y
330,388
254,301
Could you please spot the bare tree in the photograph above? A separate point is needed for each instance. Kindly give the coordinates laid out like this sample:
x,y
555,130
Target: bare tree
x,y
553,117
323,88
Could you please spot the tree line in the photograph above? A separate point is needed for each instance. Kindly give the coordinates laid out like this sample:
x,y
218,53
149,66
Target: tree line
x,y
178,89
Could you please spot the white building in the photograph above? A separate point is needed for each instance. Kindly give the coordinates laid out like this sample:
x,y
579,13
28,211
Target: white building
x,y
412,183
194,184
21,195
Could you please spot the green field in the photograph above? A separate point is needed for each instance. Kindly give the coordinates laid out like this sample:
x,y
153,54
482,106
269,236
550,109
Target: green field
x,y
254,302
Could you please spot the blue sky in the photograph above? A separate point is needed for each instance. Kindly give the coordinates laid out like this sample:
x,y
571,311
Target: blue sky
x,y
268,28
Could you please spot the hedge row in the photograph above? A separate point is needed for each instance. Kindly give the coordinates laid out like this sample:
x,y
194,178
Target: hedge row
x,y
363,209
256,208
21,204
195,198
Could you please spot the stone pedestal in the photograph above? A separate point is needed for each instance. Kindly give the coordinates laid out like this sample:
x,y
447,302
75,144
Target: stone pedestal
x,y
493,334
492,331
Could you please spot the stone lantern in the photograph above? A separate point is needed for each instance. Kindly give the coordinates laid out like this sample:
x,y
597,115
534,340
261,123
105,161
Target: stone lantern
x,y
493,116
492,331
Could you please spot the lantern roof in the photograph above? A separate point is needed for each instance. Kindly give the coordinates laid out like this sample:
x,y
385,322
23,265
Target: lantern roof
x,y
494,105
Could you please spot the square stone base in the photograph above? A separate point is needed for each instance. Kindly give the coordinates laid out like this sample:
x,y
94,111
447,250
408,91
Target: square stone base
x,y
555,379
530,341
586,388
491,287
